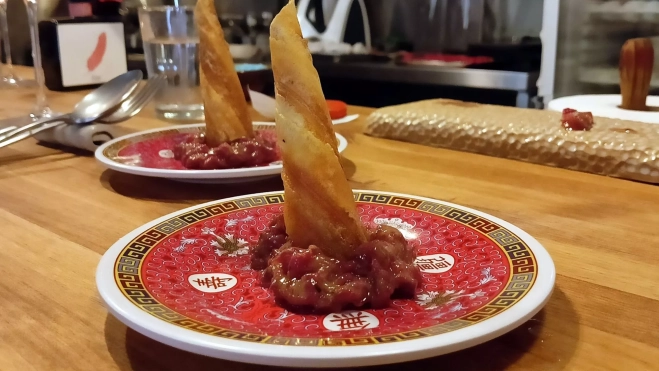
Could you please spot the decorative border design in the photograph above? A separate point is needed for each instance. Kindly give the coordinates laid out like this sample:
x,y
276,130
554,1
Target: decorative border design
x,y
522,261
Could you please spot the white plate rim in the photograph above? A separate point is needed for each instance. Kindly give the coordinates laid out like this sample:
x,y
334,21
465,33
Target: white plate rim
x,y
192,174
318,356
605,105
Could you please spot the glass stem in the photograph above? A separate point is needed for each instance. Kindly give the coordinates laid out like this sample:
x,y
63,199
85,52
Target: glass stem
x,y
41,105
4,29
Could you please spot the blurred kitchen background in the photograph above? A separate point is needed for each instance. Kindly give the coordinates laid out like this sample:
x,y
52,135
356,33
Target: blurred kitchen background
x,y
508,52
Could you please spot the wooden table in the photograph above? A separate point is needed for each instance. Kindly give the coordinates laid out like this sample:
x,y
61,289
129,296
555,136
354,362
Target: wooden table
x,y
60,211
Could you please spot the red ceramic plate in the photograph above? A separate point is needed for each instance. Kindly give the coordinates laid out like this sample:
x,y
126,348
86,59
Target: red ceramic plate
x,y
185,280
149,153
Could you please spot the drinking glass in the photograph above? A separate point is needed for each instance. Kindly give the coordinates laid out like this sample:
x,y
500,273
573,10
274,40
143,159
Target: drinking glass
x,y
41,108
171,41
9,77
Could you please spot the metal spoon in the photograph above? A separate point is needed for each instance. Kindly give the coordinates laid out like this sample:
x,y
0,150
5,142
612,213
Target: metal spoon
x,y
94,105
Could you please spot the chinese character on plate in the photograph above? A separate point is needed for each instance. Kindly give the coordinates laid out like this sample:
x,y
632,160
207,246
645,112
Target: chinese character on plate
x,y
438,263
212,282
346,321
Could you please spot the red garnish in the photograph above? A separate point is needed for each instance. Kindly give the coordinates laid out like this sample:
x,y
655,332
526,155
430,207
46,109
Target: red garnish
x,y
337,109
574,120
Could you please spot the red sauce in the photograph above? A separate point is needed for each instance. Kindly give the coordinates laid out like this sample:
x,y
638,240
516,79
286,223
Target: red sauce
x,y
194,153
574,120
305,279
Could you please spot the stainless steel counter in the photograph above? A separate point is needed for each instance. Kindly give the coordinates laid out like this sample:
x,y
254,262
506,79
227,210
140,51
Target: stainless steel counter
x,y
524,83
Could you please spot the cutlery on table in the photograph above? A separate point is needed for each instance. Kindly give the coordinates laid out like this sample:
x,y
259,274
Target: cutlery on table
x,y
7,129
127,109
93,106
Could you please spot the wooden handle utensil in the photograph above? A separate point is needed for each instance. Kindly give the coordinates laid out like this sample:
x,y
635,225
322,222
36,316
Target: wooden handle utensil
x,y
636,64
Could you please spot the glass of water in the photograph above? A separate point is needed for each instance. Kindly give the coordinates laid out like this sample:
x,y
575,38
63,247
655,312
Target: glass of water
x,y
171,42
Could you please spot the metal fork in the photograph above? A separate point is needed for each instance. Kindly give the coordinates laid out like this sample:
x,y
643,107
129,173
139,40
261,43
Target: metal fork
x,y
7,129
134,104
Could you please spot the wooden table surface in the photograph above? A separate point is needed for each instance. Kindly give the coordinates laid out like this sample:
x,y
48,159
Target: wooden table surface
x,y
60,210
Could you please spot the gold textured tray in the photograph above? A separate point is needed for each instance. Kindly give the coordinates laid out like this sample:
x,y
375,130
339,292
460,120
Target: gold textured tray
x,y
618,148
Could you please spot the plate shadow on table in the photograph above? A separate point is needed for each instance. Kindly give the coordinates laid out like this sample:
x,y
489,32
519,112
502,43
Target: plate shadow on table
x,y
165,190
549,339
349,167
